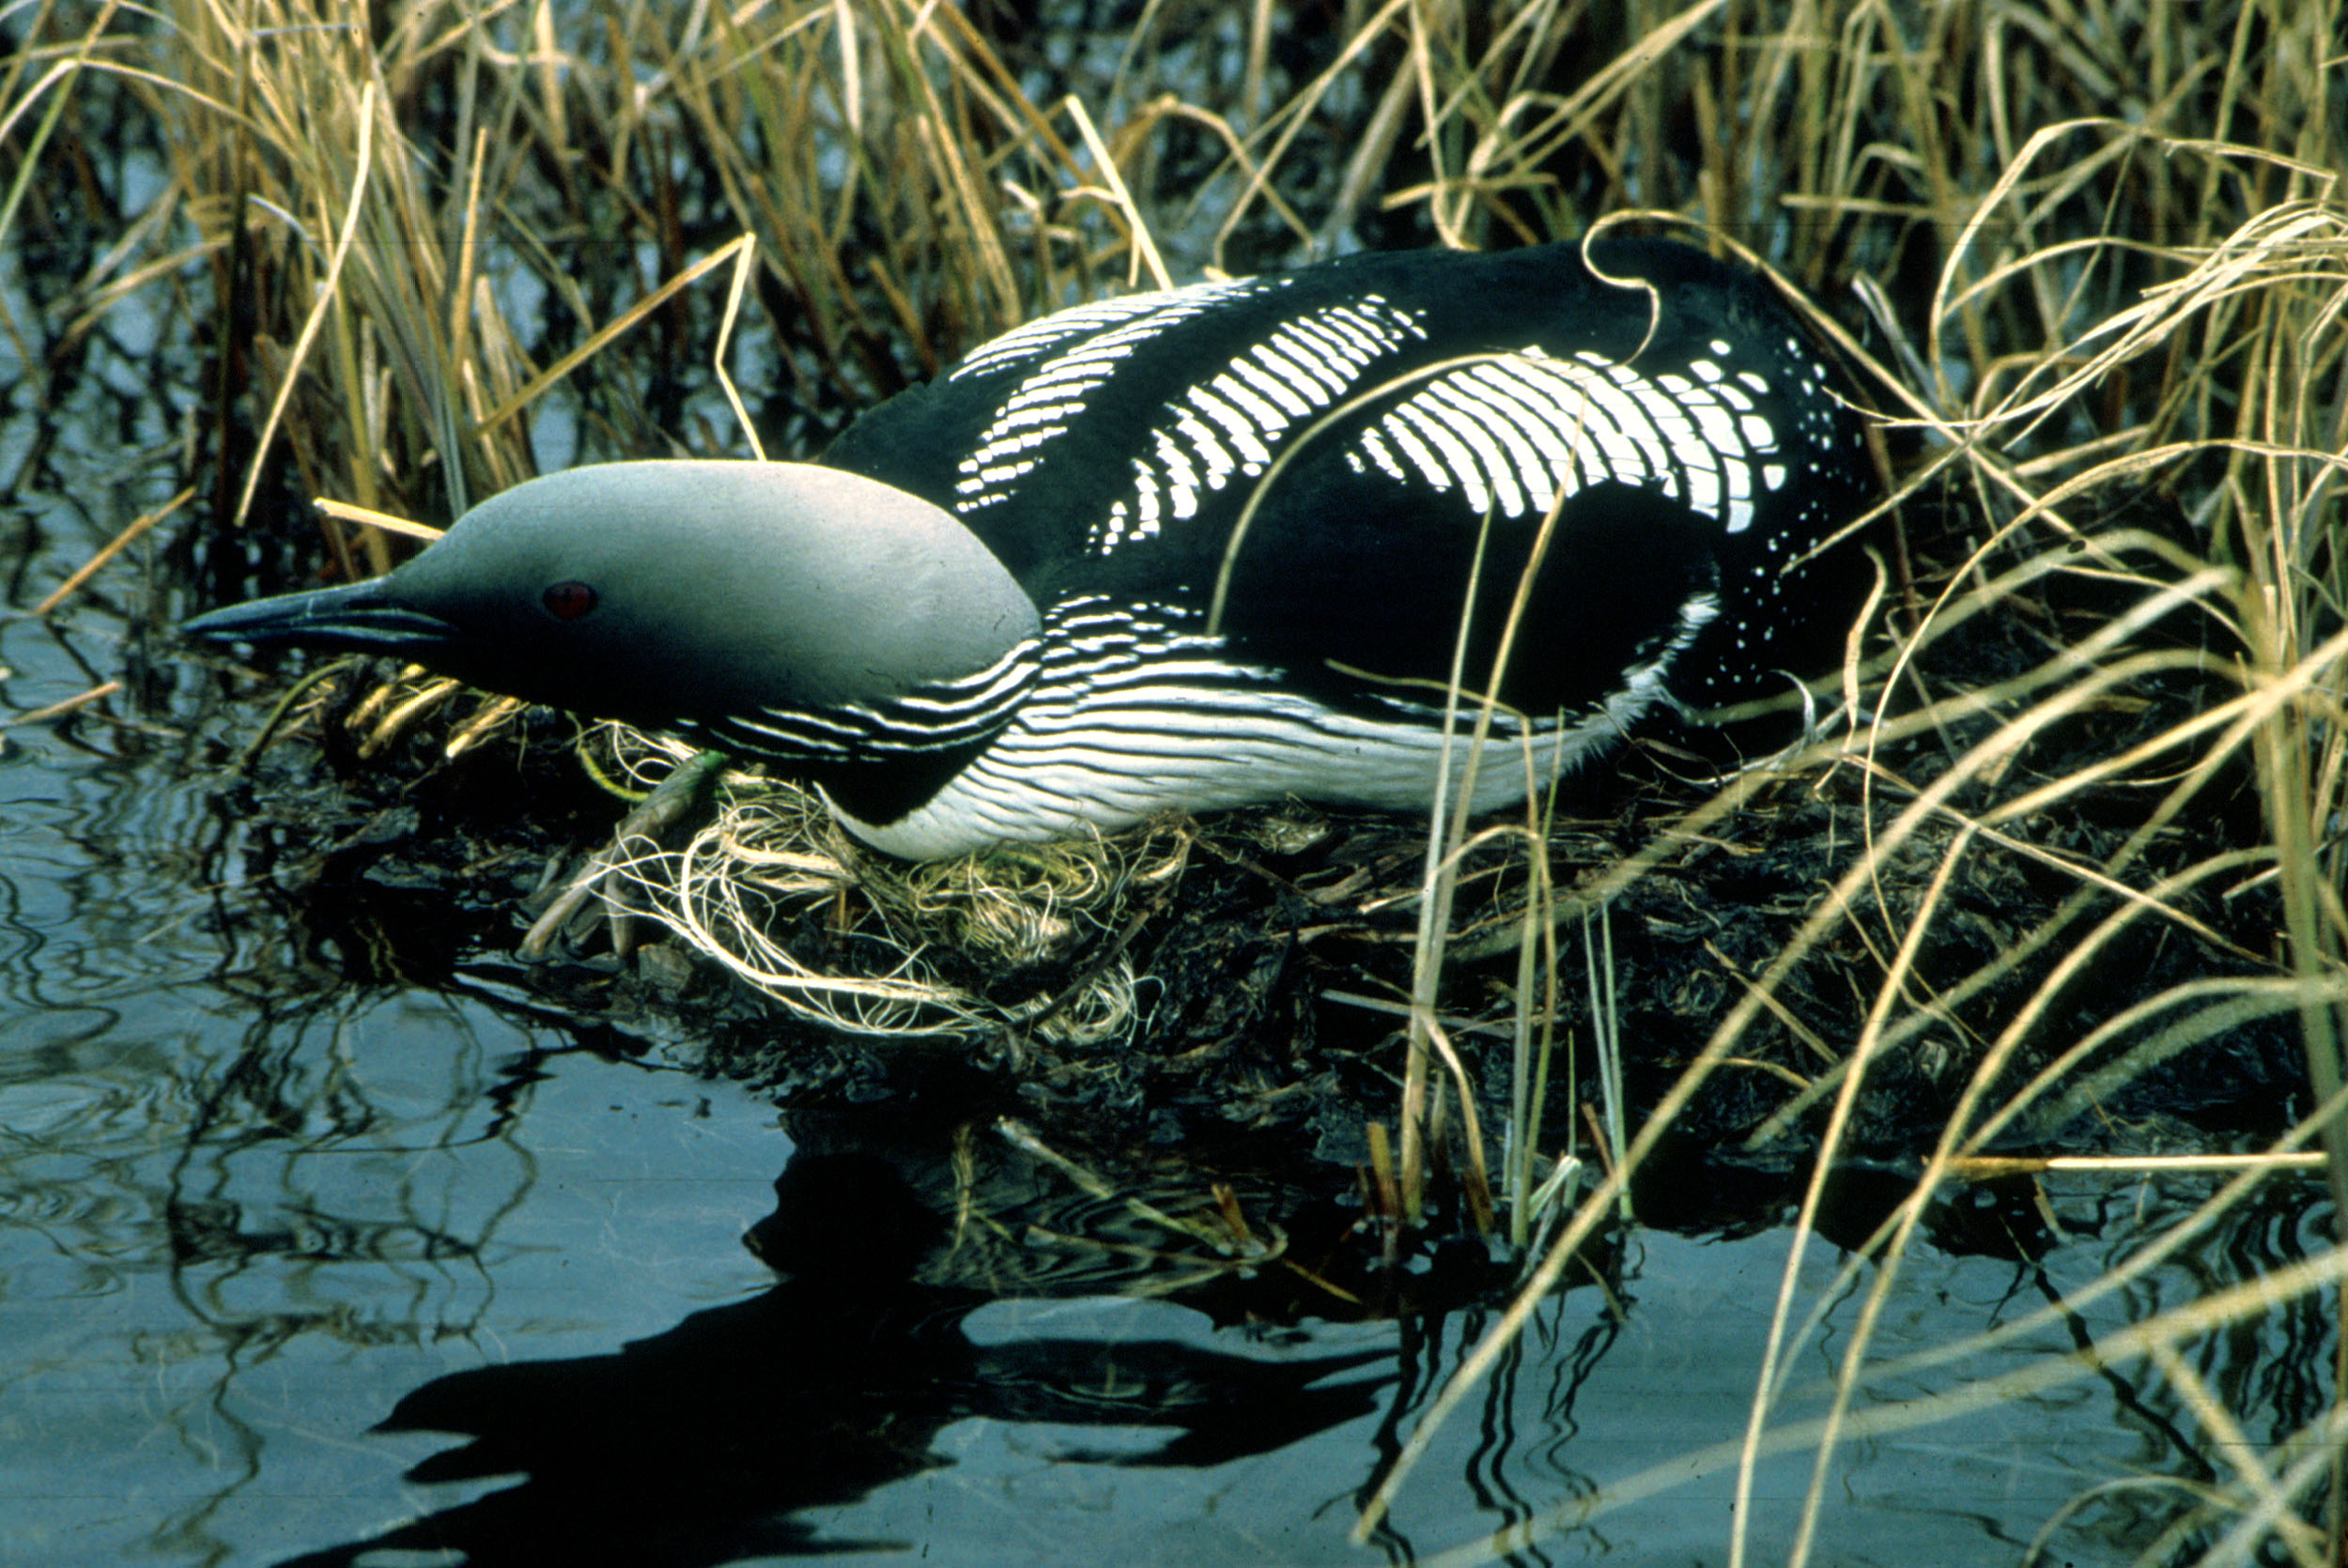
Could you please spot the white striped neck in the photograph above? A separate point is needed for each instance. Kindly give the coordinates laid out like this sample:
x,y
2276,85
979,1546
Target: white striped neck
x,y
1114,732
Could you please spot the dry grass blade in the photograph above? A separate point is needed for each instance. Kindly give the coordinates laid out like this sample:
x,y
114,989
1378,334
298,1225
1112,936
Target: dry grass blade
x,y
112,547
2242,1303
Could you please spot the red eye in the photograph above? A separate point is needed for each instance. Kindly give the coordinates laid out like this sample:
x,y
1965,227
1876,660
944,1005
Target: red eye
x,y
568,601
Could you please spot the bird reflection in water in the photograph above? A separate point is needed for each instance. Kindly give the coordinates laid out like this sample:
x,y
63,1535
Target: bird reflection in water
x,y
702,1444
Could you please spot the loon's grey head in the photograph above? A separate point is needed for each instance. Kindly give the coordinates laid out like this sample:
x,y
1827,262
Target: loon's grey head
x,y
660,591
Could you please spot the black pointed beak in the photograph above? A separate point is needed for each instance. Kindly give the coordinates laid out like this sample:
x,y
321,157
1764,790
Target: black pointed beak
x,y
359,617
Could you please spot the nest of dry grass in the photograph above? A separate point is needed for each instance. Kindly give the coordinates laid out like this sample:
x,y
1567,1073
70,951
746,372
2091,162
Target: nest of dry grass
x,y
771,889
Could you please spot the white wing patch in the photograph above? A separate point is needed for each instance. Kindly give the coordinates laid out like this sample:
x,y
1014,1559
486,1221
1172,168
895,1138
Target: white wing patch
x,y
1516,432
1229,423
1041,407
1037,337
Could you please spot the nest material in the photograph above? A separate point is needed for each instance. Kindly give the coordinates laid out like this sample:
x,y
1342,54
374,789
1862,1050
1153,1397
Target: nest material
x,y
773,890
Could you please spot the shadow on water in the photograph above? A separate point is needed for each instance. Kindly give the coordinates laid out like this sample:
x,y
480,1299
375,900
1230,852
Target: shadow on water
x,y
702,1444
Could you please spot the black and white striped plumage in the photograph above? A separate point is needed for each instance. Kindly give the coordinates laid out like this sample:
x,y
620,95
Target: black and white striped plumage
x,y
1015,633
1105,454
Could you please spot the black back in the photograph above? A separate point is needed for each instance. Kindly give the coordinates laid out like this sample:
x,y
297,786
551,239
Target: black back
x,y
1111,451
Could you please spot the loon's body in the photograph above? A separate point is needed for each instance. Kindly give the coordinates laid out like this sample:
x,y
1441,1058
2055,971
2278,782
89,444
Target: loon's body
x,y
1192,550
